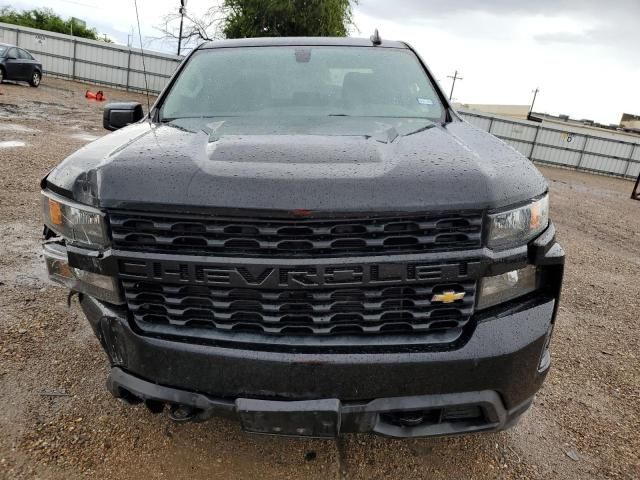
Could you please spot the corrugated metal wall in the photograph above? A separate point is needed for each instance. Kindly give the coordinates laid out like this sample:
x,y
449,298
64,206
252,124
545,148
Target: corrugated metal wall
x,y
91,61
608,153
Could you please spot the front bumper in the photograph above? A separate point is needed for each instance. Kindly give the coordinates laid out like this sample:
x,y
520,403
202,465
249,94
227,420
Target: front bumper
x,y
497,371
484,384
427,415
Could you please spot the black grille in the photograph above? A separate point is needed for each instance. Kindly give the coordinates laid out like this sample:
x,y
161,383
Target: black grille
x,y
324,311
238,236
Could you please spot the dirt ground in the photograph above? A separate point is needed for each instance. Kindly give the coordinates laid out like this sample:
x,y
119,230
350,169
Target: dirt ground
x,y
57,421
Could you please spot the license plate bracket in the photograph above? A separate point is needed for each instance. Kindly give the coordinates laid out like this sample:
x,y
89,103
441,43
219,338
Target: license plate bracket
x,y
307,418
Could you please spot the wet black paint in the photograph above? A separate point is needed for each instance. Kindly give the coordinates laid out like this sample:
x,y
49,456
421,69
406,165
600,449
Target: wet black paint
x,y
334,164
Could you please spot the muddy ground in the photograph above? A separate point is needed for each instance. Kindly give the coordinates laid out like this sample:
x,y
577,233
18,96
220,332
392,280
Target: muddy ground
x,y
58,422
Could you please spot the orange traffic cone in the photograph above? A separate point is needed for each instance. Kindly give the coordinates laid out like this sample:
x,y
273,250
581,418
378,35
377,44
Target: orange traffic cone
x,y
99,96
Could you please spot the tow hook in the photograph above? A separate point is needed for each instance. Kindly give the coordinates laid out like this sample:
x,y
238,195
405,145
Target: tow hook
x,y
182,413
411,419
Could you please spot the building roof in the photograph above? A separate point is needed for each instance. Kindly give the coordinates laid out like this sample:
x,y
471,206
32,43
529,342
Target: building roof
x,y
516,111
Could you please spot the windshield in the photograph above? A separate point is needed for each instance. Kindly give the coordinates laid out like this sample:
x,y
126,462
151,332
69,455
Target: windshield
x,y
3,50
303,81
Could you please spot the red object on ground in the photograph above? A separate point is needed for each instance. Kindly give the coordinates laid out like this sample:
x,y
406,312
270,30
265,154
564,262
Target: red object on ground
x,y
99,96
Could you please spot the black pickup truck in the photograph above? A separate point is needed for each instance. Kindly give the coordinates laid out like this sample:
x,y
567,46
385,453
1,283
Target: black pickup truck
x,y
303,235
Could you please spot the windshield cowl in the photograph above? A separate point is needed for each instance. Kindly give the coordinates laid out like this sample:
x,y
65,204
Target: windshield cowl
x,y
384,130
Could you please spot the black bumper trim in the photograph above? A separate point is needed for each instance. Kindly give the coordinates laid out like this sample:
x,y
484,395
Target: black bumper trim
x,y
503,355
350,417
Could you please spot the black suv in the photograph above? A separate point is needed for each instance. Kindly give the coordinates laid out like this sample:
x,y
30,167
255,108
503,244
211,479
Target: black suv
x,y
18,64
304,235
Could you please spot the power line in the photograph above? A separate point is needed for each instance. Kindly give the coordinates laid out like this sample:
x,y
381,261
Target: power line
x,y
144,67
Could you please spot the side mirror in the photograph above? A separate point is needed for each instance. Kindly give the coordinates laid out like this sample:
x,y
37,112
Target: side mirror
x,y
118,115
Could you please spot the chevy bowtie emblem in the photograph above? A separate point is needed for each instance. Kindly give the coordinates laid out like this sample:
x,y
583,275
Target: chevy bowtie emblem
x,y
448,297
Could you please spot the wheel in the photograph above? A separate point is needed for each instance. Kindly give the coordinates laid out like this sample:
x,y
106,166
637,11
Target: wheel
x,y
35,79
1,75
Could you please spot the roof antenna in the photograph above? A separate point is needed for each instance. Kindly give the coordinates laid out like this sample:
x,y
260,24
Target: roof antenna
x,y
144,67
375,38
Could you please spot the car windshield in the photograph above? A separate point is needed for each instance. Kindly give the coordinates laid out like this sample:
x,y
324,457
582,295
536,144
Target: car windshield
x,y
3,50
303,81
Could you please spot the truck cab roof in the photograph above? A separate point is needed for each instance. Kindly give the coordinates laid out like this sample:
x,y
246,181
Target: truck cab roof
x,y
303,41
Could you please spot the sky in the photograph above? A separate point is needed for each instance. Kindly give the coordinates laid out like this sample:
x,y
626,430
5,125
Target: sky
x,y
583,55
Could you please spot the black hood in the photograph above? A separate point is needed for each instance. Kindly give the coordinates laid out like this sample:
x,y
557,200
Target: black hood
x,y
335,164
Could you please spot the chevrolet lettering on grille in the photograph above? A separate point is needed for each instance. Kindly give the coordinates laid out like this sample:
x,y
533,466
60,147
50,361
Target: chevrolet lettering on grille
x,y
265,276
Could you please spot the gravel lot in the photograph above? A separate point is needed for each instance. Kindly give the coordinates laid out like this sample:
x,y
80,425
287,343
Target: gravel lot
x,y
58,421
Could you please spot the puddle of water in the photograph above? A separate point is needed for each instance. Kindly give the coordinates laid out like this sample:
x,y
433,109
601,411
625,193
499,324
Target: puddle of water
x,y
35,110
13,127
87,137
12,144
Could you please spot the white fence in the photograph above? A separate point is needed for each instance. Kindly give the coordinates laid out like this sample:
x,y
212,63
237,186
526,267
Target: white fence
x,y
92,61
607,152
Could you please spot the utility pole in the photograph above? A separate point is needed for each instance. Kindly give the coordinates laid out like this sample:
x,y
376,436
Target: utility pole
x,y
535,94
130,38
183,11
455,77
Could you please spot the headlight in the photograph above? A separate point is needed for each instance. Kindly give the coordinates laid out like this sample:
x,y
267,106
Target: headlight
x,y
99,286
75,222
507,286
518,226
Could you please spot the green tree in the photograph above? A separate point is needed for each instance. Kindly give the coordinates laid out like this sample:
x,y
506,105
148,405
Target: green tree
x,y
286,18
47,19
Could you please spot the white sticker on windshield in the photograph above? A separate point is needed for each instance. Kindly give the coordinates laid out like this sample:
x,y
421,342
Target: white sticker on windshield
x,y
425,101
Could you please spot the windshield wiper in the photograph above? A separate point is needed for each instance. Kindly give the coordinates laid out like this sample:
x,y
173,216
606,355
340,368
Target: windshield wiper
x,y
404,117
